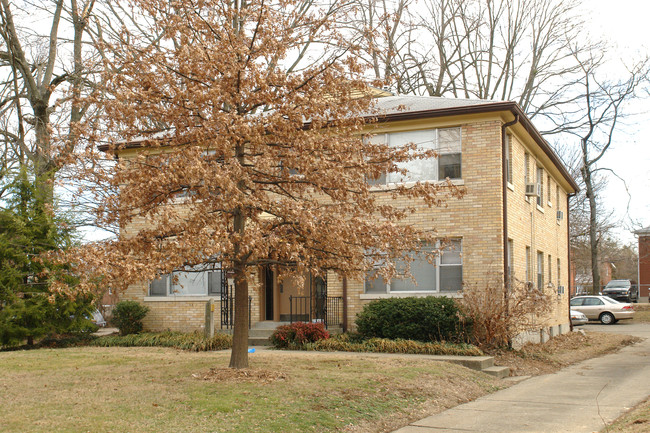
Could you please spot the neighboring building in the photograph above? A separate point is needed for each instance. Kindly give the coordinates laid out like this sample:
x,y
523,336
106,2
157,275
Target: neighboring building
x,y
644,264
513,219
583,280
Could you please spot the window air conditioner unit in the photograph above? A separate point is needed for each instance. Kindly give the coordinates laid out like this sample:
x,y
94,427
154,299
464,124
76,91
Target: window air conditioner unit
x,y
560,215
531,190
560,290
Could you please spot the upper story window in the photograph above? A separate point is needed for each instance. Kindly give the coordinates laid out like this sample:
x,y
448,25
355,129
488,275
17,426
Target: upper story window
x,y
445,141
509,158
540,186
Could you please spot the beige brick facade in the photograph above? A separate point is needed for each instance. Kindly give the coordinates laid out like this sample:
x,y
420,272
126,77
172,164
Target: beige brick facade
x,y
477,219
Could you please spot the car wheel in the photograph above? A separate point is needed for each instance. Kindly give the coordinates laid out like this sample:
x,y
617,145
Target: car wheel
x,y
607,319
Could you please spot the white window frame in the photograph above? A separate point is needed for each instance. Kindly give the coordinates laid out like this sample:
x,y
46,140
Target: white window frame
x,y
392,178
438,265
170,290
540,270
540,187
509,158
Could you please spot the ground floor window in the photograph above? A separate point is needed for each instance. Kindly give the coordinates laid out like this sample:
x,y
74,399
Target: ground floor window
x,y
199,280
445,274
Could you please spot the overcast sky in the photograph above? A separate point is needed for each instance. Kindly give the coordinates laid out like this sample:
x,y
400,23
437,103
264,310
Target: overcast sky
x,y
625,24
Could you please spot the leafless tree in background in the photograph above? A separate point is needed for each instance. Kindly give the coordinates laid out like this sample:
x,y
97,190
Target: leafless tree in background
x,y
505,50
592,116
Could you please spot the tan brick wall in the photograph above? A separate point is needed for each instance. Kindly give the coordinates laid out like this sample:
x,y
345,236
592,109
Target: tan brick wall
x,y
477,219
537,227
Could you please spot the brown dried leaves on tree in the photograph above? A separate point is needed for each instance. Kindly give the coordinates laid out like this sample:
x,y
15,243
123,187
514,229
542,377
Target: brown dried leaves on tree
x,y
248,122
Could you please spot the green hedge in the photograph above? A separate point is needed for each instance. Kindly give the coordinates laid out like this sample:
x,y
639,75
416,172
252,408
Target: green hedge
x,y
128,316
422,319
195,341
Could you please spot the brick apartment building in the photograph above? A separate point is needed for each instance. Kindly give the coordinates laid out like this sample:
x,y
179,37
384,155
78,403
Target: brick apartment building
x,y
512,220
644,264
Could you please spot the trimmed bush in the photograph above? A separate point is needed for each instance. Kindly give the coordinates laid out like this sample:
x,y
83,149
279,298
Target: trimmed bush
x,y
344,343
297,334
128,316
421,319
195,342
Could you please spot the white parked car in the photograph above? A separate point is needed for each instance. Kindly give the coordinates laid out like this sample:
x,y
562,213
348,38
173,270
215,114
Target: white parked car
x,y
578,318
603,308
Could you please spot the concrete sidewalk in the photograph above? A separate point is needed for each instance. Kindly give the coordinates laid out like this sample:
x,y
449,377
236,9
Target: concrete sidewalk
x,y
580,398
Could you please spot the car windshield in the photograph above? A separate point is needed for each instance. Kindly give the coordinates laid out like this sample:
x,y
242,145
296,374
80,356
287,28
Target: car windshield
x,y
617,284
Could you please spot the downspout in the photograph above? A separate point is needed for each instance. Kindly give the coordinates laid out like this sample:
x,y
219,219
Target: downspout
x,y
504,191
568,247
345,304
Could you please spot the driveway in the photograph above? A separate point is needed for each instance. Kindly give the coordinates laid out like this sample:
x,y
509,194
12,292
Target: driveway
x,y
580,398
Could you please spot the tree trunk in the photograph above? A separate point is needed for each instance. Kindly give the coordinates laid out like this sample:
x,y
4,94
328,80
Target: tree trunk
x,y
239,354
593,235
44,167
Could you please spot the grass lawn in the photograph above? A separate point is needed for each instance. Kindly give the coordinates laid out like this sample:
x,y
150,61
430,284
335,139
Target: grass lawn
x,y
635,421
642,313
561,351
165,390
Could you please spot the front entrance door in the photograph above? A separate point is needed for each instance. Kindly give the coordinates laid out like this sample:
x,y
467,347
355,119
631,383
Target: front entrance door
x,y
268,293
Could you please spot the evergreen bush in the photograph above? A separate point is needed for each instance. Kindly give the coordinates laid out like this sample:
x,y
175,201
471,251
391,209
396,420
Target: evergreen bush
x,y
422,319
128,316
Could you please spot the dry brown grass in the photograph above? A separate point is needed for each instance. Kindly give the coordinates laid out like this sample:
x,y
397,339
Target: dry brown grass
x,y
636,420
561,351
165,390
642,313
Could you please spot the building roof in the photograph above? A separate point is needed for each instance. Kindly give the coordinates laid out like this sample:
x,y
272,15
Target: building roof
x,y
395,104
643,231
407,107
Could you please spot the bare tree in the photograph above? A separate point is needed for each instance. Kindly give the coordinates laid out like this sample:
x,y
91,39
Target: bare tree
x,y
42,86
593,115
506,50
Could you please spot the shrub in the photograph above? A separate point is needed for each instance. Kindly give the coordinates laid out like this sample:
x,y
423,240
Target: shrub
x,y
498,319
344,343
421,319
297,334
128,316
195,341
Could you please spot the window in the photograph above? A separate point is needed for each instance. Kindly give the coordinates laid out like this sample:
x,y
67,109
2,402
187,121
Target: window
x,y
548,188
592,301
550,276
190,281
540,186
559,274
557,197
540,270
526,166
445,275
509,158
446,141
576,302
529,272
510,276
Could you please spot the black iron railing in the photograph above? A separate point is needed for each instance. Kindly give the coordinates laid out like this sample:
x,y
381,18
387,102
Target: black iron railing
x,y
325,309
228,311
